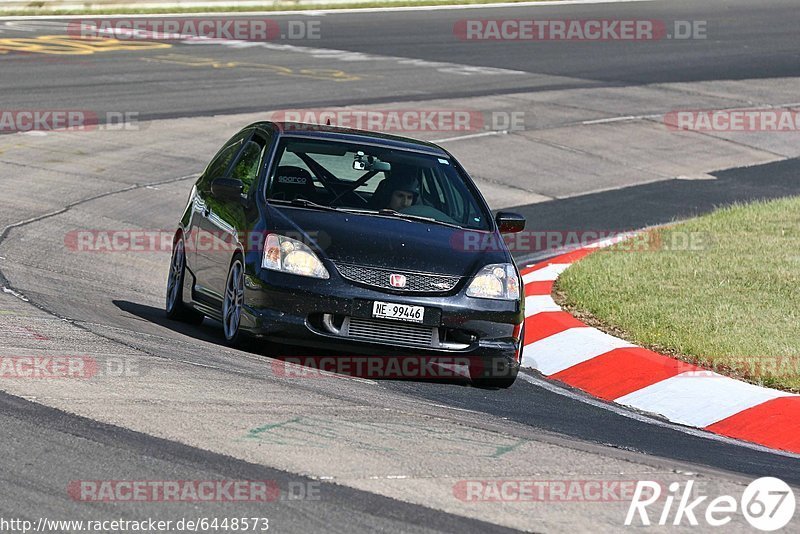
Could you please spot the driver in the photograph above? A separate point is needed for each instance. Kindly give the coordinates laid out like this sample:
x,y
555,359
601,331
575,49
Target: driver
x,y
405,191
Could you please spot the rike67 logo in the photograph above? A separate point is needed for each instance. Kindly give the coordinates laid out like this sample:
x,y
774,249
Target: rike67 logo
x,y
768,504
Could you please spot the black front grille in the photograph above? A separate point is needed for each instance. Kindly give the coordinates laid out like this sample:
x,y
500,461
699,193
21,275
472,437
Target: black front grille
x,y
420,282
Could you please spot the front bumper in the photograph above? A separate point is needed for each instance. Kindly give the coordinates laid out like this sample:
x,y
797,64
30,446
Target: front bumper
x,y
292,310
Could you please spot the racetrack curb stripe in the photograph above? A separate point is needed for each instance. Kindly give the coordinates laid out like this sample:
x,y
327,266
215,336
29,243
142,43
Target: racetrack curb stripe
x,y
563,348
544,287
568,348
539,304
546,324
775,423
698,399
621,372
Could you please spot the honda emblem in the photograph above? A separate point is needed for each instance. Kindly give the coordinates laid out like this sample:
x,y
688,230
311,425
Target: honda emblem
x,y
397,280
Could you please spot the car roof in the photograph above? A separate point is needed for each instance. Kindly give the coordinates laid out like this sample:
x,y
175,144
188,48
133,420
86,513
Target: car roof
x,y
322,132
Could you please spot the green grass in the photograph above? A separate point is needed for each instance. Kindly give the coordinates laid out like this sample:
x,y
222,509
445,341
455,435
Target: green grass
x,y
731,304
283,6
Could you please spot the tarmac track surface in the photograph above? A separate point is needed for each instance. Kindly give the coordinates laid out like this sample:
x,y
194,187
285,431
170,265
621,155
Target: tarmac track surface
x,y
386,454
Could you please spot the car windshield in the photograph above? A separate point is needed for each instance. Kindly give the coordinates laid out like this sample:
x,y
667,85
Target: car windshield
x,y
369,178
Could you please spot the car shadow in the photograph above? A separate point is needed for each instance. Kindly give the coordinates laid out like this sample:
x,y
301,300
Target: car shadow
x,y
295,361
204,332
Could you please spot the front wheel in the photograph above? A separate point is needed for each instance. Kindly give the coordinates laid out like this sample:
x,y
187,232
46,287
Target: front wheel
x,y
175,307
503,382
233,301
508,373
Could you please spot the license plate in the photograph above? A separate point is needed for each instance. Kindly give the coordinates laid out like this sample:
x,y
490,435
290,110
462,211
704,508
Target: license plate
x,y
398,312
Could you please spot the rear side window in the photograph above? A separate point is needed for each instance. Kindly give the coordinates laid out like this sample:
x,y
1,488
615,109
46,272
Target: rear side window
x,y
222,161
249,162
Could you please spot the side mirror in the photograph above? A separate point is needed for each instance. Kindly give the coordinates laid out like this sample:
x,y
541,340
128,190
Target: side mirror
x,y
227,188
510,223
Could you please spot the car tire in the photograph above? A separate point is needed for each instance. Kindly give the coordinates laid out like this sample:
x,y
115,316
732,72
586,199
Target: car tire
x,y
492,382
175,307
233,301
503,382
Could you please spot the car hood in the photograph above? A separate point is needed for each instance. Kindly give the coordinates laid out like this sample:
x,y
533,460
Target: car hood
x,y
387,242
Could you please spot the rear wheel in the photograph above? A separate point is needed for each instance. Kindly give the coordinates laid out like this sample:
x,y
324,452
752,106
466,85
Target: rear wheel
x,y
175,307
233,301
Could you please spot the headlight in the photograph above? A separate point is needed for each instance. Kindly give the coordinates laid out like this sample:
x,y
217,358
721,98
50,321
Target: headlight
x,y
498,281
291,256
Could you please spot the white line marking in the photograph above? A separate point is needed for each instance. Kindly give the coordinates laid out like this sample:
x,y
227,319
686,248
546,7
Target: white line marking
x,y
624,412
456,69
609,120
699,399
700,176
570,347
203,365
10,291
451,407
318,12
603,243
622,119
470,136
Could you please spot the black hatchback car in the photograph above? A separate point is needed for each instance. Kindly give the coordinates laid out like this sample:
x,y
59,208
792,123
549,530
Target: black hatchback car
x,y
349,240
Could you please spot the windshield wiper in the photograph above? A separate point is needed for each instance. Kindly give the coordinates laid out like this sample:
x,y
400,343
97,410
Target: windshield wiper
x,y
302,203
419,218
358,211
